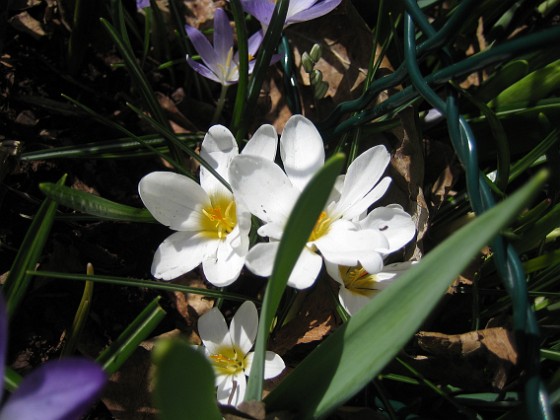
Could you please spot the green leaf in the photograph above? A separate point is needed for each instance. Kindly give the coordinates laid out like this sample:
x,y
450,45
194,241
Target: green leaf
x,y
298,228
29,252
357,351
533,87
148,284
94,205
112,358
184,383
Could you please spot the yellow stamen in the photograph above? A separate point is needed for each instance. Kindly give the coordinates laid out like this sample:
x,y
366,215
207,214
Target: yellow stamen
x,y
358,281
220,218
228,361
322,226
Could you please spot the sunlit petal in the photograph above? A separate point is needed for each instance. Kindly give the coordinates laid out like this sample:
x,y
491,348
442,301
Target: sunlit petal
x,y
174,200
302,150
260,258
243,327
263,188
393,222
213,331
218,149
306,270
263,143
179,254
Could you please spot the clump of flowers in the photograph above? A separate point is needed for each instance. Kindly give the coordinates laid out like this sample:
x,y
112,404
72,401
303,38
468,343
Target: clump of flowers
x,y
228,350
343,234
212,227
61,389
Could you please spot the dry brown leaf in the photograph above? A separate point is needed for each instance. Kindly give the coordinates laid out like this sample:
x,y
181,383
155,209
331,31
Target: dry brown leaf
x,y
128,393
315,319
190,305
26,23
407,173
474,360
344,65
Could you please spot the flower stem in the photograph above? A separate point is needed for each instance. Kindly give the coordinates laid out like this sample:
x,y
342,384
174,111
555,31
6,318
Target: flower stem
x,y
220,104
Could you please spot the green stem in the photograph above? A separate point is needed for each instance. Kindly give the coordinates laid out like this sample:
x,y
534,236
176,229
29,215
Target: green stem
x,y
220,105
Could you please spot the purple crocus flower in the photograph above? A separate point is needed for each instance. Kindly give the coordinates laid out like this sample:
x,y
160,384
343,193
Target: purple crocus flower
x,y
298,10
219,62
58,390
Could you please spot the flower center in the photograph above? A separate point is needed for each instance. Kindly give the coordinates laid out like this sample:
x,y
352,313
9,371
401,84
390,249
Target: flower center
x,y
358,281
322,226
228,360
219,218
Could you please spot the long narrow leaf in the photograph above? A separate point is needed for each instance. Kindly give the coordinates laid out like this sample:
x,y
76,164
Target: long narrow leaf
x,y
94,205
119,351
298,228
148,284
358,350
29,252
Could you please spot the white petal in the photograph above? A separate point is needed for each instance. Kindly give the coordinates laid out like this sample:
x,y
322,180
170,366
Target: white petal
x,y
179,254
352,302
334,272
302,150
273,364
232,391
218,149
260,258
393,222
372,262
263,188
271,230
223,267
263,143
362,205
243,327
213,331
344,245
174,200
363,174
306,270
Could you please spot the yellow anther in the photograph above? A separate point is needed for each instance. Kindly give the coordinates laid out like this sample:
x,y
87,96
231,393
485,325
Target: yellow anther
x,y
322,226
220,218
359,281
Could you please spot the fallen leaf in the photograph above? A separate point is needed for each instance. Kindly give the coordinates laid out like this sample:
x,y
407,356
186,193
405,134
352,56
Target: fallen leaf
x,y
24,22
474,360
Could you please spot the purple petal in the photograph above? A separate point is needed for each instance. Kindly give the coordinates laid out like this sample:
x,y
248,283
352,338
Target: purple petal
x,y
61,390
203,47
223,36
203,70
3,338
254,42
260,9
142,4
317,10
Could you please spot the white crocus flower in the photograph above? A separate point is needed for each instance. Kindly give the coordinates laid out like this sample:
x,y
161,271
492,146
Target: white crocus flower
x,y
229,351
212,228
358,287
270,194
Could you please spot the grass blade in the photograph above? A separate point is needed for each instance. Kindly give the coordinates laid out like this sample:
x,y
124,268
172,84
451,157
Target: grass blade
x,y
358,350
29,253
298,228
94,205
